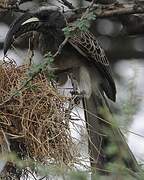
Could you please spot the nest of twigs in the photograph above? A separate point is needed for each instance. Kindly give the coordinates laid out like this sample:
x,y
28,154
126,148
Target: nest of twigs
x,y
33,117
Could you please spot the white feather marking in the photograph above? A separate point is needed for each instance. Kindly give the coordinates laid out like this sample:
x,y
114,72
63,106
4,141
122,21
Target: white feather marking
x,y
33,19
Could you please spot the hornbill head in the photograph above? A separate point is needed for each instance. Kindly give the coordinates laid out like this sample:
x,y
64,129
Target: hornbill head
x,y
49,22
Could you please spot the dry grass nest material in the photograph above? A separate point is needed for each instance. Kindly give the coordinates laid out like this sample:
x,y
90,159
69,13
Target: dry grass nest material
x,y
34,120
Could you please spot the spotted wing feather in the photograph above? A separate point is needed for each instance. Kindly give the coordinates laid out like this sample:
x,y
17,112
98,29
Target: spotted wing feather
x,y
87,44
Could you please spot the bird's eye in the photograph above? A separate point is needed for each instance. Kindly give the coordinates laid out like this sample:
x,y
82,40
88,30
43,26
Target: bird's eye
x,y
43,16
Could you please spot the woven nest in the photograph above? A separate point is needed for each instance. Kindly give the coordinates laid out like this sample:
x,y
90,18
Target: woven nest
x,y
34,121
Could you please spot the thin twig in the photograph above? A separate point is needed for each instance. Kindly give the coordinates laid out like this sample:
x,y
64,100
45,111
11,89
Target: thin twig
x,y
15,93
68,4
61,47
6,140
42,178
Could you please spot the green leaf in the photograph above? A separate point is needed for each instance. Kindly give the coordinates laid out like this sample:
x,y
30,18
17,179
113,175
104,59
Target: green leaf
x,y
81,24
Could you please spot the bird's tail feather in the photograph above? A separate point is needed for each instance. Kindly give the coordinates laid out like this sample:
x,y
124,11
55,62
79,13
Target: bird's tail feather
x,y
106,142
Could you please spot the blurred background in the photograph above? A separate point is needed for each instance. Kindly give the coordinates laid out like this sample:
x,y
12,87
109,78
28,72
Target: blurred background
x,y
126,55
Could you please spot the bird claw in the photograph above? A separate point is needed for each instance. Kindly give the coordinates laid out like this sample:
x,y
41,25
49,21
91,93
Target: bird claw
x,y
78,96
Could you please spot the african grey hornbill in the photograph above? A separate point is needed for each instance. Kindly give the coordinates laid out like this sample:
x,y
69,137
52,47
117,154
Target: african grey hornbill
x,y
89,66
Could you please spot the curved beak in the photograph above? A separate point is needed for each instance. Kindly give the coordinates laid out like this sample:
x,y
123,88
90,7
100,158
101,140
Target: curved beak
x,y
25,23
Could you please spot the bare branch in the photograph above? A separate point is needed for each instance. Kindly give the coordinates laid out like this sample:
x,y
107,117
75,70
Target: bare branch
x,y
107,11
121,10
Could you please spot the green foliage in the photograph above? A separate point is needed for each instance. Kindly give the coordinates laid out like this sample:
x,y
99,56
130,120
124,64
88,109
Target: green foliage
x,y
81,24
78,176
118,171
84,23
44,66
112,149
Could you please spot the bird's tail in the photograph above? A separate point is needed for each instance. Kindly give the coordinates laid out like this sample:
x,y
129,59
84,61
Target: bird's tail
x,y
106,142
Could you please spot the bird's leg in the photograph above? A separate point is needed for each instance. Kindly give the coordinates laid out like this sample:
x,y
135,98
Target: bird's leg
x,y
74,84
76,94
61,75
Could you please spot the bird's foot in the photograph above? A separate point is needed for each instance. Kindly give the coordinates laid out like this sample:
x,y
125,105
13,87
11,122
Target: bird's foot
x,y
77,96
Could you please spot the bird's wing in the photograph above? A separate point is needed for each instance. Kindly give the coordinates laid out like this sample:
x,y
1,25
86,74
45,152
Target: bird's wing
x,y
88,46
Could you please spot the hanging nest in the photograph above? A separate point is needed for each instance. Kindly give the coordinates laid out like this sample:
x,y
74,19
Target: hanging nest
x,y
33,119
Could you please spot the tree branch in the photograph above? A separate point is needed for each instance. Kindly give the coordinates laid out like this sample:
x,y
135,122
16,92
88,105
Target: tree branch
x,y
130,15
108,11
67,3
